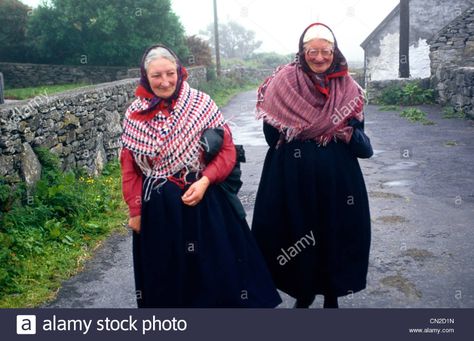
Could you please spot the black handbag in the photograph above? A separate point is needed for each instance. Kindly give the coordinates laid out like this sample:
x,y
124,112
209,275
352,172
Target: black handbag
x,y
212,140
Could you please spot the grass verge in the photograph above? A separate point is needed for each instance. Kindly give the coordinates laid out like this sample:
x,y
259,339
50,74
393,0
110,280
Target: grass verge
x,y
26,93
389,108
450,112
46,236
416,115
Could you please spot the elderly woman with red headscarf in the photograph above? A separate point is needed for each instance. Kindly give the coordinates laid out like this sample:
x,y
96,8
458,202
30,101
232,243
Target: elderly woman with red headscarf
x,y
191,247
311,217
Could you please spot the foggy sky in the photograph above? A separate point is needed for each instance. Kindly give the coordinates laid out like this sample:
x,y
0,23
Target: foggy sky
x,y
279,24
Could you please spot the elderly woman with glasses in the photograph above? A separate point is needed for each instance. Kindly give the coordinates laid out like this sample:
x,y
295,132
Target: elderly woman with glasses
x,y
311,217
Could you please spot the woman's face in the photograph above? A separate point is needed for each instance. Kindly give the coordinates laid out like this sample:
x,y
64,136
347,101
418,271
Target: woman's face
x,y
319,55
162,75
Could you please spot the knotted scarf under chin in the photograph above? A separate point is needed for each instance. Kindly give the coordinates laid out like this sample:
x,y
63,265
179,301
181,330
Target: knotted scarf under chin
x,y
291,102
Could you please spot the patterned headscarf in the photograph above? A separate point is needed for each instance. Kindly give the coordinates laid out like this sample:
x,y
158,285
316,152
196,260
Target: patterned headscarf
x,y
144,90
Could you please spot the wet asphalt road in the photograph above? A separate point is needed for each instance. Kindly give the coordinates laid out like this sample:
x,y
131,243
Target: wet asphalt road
x,y
421,191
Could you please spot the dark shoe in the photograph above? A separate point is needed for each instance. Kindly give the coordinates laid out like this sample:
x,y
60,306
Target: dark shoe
x,y
303,303
330,301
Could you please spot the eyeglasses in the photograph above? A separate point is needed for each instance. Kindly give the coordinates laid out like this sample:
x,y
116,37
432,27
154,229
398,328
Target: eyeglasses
x,y
313,53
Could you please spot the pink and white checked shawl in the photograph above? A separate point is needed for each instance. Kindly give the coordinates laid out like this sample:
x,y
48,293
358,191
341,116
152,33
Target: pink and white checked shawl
x,y
291,102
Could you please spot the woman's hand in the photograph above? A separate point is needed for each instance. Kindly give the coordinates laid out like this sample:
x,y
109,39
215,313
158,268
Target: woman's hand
x,y
134,223
196,191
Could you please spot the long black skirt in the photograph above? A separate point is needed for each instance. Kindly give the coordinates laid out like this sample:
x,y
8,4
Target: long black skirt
x,y
198,257
312,219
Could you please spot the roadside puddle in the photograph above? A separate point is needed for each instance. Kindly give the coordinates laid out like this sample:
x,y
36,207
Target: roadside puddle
x,y
419,255
402,284
404,165
398,183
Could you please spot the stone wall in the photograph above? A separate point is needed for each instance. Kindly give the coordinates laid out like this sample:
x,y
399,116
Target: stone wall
x,y
18,75
28,75
197,75
452,63
81,126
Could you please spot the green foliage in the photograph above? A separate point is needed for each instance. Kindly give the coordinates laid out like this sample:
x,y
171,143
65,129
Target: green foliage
x,y
450,112
10,194
389,108
43,233
13,19
451,143
416,115
103,32
413,94
5,196
211,74
200,52
390,96
230,63
8,260
410,94
413,114
50,162
257,61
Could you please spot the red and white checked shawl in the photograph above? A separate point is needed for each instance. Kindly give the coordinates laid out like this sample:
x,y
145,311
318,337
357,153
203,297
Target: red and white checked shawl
x,y
168,143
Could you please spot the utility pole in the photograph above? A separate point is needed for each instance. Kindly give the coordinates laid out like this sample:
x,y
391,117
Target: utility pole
x,y
216,35
2,100
404,57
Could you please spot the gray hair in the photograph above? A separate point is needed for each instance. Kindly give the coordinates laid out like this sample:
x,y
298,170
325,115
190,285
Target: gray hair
x,y
159,52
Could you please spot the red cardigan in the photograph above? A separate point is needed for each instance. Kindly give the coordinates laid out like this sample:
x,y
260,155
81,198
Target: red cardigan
x,y
217,171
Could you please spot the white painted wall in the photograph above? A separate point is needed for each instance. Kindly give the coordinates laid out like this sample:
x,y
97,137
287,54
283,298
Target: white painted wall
x,y
385,66
420,60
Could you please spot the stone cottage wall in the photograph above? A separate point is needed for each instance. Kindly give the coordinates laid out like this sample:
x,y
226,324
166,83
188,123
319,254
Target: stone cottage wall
x,y
452,63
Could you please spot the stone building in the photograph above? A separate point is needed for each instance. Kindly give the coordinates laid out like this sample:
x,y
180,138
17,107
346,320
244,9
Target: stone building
x,y
452,63
426,19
